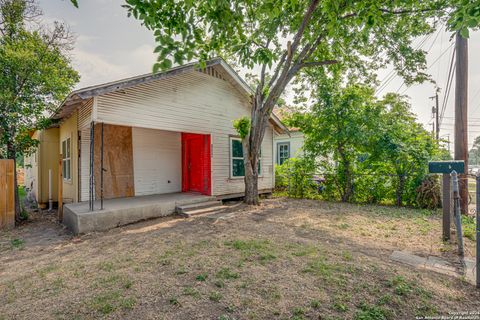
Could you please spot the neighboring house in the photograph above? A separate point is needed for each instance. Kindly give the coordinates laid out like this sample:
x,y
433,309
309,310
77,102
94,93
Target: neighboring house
x,y
161,133
42,164
288,145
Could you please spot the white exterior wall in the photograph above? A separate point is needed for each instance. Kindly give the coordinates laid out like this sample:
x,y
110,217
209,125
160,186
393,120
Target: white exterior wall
x,y
296,144
194,102
157,161
84,120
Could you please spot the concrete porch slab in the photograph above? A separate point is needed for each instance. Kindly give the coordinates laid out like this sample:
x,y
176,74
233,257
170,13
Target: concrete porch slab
x,y
122,211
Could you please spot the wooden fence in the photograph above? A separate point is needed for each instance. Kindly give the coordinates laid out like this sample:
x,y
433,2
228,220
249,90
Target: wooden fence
x,y
7,194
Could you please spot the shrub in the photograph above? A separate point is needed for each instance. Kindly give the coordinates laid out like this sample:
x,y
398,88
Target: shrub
x,y
428,194
296,177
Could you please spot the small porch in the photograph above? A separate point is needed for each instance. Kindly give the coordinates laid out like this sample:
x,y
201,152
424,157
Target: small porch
x,y
121,211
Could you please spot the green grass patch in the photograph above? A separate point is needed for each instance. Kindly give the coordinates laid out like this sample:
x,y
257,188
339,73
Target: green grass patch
x,y
469,227
369,312
319,267
227,274
259,249
215,296
17,243
202,277
111,301
400,286
192,292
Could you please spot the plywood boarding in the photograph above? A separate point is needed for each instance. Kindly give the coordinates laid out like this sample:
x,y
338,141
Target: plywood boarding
x,y
7,194
117,161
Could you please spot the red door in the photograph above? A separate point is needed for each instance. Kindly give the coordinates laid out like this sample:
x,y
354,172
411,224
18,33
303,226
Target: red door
x,y
196,163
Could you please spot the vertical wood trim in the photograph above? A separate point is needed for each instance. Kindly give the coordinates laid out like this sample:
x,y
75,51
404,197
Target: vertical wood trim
x,y
95,109
7,194
3,194
10,194
60,189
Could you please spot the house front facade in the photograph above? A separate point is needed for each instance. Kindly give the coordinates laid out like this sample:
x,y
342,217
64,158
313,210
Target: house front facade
x,y
164,133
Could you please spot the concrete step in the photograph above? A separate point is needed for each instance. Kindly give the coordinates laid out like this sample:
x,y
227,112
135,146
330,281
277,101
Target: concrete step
x,y
208,210
181,209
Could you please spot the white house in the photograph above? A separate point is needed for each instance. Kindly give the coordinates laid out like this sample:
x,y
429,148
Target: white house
x,y
288,145
168,133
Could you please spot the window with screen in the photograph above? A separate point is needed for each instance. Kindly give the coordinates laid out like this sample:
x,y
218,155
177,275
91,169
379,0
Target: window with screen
x,y
237,168
66,160
283,152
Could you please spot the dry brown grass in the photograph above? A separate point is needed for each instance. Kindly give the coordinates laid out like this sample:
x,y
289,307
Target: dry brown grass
x,y
287,259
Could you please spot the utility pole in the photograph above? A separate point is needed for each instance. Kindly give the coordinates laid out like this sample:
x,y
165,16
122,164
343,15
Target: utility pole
x,y
461,111
436,111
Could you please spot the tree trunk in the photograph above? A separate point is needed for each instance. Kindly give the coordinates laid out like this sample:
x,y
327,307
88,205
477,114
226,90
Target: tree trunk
x,y
12,154
400,187
250,162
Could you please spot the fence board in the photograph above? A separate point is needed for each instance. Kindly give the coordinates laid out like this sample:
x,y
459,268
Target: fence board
x,y
7,194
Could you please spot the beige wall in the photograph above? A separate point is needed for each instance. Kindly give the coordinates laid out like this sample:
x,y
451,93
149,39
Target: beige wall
x,y
31,169
68,129
39,163
49,157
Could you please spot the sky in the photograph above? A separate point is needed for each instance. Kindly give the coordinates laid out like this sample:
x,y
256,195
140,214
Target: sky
x,y
110,46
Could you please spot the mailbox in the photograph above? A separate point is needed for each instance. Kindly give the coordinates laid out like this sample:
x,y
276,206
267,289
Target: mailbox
x,y
446,166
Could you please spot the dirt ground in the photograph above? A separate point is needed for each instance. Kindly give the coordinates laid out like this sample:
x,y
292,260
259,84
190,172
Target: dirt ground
x,y
287,259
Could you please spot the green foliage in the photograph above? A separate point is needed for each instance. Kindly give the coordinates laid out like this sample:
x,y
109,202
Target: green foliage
x,y
242,126
464,16
474,153
369,150
359,36
295,176
469,227
35,75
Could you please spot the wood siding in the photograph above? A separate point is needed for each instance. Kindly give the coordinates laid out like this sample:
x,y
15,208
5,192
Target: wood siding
x,y
7,194
157,161
84,120
194,103
117,161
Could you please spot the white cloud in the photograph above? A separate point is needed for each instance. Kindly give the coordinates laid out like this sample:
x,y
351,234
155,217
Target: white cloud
x,y
95,69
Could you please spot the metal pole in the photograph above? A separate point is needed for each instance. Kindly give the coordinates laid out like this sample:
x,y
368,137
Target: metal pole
x,y
456,212
437,116
446,206
101,173
478,231
92,151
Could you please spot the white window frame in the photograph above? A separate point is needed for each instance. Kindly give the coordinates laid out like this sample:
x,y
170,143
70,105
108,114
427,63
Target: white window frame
x,y
279,145
67,158
231,158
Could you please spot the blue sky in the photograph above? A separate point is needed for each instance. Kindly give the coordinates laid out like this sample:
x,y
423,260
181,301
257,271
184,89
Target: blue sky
x,y
111,46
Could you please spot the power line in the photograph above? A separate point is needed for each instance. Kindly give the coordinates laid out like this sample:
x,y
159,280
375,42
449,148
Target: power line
x,y
451,72
392,74
433,63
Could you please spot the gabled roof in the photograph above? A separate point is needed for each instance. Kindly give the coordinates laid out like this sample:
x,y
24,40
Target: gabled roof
x,y
76,97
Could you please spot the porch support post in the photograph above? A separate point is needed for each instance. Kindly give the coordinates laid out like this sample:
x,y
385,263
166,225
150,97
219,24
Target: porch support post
x,y
92,173
101,171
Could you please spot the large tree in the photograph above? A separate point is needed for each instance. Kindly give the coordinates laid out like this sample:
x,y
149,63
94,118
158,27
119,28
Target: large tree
x,y
474,153
280,39
36,75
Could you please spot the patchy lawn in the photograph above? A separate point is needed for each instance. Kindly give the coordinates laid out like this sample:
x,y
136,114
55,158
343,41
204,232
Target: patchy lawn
x,y
287,259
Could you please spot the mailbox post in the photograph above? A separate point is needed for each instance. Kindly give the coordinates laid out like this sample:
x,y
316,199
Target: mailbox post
x,y
445,168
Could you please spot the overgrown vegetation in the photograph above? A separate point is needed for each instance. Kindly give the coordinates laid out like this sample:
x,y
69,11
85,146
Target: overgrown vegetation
x,y
362,148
